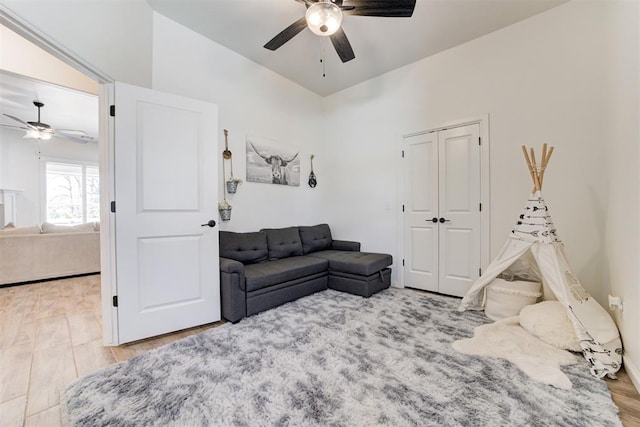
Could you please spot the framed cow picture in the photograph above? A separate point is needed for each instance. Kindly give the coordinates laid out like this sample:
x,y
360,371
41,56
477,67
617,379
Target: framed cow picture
x,y
272,162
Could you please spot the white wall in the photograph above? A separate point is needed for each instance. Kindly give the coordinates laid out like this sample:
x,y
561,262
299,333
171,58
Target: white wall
x,y
540,80
621,124
113,36
20,168
251,99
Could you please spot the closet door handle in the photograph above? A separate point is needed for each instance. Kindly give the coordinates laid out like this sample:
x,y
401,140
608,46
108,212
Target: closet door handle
x,y
442,220
210,223
434,220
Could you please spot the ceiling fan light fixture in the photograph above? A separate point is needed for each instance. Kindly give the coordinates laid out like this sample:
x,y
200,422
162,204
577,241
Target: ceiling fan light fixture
x,y
324,18
37,134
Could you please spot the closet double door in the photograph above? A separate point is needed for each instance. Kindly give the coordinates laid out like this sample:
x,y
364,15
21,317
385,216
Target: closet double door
x,y
441,220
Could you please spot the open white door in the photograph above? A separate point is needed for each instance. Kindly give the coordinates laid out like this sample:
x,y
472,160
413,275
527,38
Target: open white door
x,y
166,188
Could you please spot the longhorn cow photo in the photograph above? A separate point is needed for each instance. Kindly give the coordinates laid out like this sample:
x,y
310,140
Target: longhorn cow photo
x,y
271,162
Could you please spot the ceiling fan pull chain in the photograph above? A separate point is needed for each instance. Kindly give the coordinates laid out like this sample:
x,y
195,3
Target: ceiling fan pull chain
x,y
322,59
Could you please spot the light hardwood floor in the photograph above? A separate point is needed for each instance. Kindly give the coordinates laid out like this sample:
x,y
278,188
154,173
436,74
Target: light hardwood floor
x,y
50,334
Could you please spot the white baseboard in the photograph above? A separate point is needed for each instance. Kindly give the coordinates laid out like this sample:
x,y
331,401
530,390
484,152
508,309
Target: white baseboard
x,y
632,370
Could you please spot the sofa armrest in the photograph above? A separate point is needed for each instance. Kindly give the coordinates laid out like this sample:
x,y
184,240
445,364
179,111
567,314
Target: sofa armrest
x,y
233,297
231,266
345,245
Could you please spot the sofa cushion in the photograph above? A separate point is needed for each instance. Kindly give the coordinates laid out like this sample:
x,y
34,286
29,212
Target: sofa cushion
x,y
315,238
48,228
283,242
12,231
248,248
265,274
360,263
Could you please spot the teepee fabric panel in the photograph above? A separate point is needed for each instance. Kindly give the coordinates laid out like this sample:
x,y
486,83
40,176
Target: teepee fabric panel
x,y
512,250
534,223
601,343
598,334
534,244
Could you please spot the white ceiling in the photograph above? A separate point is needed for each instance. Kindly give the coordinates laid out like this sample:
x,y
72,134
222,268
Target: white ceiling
x,y
380,44
244,26
64,108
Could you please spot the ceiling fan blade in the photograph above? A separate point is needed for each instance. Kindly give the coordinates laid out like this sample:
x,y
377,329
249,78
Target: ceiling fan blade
x,y
384,8
286,34
342,45
77,132
77,139
20,121
14,127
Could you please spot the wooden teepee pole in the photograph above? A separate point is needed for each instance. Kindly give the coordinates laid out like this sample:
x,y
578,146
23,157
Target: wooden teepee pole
x,y
542,164
536,180
537,175
532,170
545,162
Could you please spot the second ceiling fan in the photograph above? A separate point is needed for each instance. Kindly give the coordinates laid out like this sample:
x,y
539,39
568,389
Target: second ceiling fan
x,y
324,18
42,131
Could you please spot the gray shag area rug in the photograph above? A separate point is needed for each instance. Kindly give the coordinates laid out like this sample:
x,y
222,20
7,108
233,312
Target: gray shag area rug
x,y
335,359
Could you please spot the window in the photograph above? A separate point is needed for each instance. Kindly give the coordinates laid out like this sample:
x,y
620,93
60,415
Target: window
x,y
72,193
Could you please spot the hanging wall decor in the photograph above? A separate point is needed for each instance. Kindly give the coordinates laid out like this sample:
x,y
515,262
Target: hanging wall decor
x,y
271,162
312,176
232,183
224,207
225,210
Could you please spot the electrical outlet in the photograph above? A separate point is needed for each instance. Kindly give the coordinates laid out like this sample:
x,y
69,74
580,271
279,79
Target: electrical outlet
x,y
615,303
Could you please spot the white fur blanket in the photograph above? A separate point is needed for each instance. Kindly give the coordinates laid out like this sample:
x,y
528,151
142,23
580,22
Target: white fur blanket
x,y
508,340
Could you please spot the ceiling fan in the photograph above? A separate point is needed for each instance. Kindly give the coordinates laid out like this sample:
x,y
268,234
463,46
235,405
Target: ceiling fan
x,y
43,131
324,18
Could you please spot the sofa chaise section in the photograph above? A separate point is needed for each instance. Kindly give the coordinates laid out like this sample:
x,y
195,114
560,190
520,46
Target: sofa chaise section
x,y
352,271
358,273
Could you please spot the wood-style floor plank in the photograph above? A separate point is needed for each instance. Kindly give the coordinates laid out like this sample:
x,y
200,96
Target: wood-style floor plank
x,y
12,412
52,332
47,418
14,374
84,328
52,369
92,356
627,398
127,351
16,329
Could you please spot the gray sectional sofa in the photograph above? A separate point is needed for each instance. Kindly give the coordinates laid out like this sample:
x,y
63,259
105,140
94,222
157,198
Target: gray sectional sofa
x,y
262,270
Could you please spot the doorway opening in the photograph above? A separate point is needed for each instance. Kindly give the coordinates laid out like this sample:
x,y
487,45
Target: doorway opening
x,y
56,177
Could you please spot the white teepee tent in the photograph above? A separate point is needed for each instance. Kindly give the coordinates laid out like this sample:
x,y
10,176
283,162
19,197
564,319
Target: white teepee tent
x,y
534,251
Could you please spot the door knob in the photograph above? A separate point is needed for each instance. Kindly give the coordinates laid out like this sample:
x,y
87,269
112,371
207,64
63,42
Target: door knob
x,y
211,223
442,220
434,220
